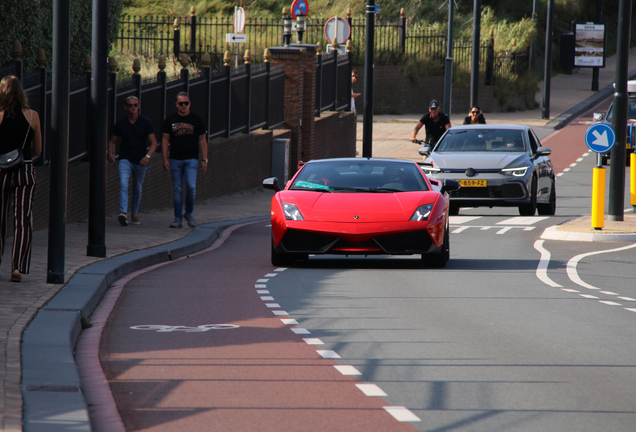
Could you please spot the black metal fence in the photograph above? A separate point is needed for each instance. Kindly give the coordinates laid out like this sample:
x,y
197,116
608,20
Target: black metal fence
x,y
393,38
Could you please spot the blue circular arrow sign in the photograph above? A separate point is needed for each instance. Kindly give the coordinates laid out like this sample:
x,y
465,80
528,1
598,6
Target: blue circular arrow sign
x,y
600,138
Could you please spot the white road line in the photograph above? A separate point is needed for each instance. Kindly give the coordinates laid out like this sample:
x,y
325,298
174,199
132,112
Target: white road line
x,y
262,291
314,341
627,298
566,169
347,370
280,313
630,309
460,229
588,296
609,293
289,321
611,303
272,305
262,281
267,298
571,266
458,220
299,330
559,174
402,414
569,290
327,354
522,220
260,286
579,159
371,390
542,268
573,164
271,275
282,269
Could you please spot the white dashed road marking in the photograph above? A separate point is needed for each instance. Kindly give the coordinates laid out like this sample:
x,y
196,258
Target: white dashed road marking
x,y
347,370
315,341
328,354
402,414
371,390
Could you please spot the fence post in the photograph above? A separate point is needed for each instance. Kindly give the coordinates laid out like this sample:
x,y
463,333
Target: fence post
x,y
41,60
318,80
349,20
350,68
335,46
162,81
207,74
402,31
228,97
136,78
185,72
88,64
17,60
248,91
176,40
193,34
490,61
267,57
112,99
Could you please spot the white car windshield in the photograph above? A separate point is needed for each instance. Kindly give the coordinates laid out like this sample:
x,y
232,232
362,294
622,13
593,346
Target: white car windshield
x,y
363,176
482,140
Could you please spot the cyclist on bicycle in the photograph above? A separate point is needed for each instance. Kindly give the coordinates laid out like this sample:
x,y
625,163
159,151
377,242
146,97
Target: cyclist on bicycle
x,y
435,124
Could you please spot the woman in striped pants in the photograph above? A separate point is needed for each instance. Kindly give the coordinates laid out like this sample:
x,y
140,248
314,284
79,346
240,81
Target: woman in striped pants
x,y
19,129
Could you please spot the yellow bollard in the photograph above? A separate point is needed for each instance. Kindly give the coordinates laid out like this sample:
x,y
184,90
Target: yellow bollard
x,y
632,177
598,198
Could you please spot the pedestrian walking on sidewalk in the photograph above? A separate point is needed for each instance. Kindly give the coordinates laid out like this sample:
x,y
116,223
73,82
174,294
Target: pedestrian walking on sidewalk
x,y
435,123
134,155
19,130
186,133
475,117
354,96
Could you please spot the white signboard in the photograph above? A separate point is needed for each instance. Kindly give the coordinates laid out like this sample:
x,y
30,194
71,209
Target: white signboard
x,y
235,38
239,20
589,45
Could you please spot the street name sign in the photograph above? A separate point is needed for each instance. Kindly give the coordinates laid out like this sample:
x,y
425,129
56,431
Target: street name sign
x,y
600,138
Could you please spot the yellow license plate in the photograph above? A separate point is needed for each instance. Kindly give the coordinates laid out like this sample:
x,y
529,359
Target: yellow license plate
x,y
472,183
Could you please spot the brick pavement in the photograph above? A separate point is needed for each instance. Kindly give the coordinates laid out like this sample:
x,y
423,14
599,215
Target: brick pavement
x,y
20,302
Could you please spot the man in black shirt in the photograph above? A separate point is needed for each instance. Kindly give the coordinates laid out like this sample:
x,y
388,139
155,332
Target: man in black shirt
x,y
186,133
435,124
134,130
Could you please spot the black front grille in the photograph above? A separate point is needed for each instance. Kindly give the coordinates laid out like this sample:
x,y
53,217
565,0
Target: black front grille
x,y
511,191
303,241
409,242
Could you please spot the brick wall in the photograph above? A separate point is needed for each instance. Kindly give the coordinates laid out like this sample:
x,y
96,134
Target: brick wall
x,y
335,135
393,92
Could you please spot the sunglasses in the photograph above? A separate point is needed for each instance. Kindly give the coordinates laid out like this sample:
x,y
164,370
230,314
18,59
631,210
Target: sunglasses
x,y
474,112
132,105
184,103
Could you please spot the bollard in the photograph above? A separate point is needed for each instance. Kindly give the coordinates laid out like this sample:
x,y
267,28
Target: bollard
x,y
598,198
632,179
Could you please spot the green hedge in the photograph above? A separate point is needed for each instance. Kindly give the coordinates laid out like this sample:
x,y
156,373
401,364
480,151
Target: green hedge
x,y
31,23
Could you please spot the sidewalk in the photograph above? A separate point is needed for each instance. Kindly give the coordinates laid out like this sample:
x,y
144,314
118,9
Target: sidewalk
x,y
20,302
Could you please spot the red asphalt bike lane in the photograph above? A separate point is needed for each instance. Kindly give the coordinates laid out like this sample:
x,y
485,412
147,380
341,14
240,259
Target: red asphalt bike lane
x,y
259,376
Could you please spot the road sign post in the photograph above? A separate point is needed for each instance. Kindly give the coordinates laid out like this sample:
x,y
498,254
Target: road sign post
x,y
599,138
239,26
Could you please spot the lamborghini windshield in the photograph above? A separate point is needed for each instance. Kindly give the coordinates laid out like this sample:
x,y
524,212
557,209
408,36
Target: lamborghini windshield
x,y
482,140
364,176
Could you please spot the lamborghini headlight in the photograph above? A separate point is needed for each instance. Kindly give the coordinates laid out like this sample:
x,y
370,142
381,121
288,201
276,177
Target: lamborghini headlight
x,y
292,212
517,172
422,213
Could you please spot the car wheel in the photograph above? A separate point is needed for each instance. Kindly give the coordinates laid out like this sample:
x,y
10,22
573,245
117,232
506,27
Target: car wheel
x,y
530,209
282,259
453,209
549,209
440,259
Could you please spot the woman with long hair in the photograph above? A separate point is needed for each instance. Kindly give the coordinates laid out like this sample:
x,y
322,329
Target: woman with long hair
x,y
19,130
475,117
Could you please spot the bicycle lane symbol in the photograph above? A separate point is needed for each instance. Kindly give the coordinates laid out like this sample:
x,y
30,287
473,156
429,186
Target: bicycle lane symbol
x,y
185,329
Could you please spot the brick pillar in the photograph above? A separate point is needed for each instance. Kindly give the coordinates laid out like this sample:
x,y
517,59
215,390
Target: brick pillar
x,y
300,98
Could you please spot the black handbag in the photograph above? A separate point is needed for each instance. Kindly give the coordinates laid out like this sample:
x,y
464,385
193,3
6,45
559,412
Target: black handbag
x,y
13,160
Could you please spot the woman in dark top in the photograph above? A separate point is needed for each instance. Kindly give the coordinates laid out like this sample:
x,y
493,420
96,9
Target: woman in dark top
x,y
19,129
475,117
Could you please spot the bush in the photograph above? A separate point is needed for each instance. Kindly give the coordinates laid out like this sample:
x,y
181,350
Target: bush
x,y
31,23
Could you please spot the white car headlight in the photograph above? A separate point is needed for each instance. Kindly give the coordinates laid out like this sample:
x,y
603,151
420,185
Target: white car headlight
x,y
422,213
517,172
428,170
292,212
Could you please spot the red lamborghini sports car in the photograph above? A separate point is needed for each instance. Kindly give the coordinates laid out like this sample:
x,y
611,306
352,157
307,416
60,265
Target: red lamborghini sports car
x,y
360,206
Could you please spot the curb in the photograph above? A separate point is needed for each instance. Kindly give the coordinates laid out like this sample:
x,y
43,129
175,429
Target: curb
x,y
552,233
589,103
51,389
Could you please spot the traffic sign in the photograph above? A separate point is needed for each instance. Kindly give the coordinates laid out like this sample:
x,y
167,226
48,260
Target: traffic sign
x,y
600,138
337,27
235,38
299,7
239,20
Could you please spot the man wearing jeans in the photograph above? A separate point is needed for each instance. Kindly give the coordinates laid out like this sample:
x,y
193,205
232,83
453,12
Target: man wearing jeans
x,y
134,131
185,131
